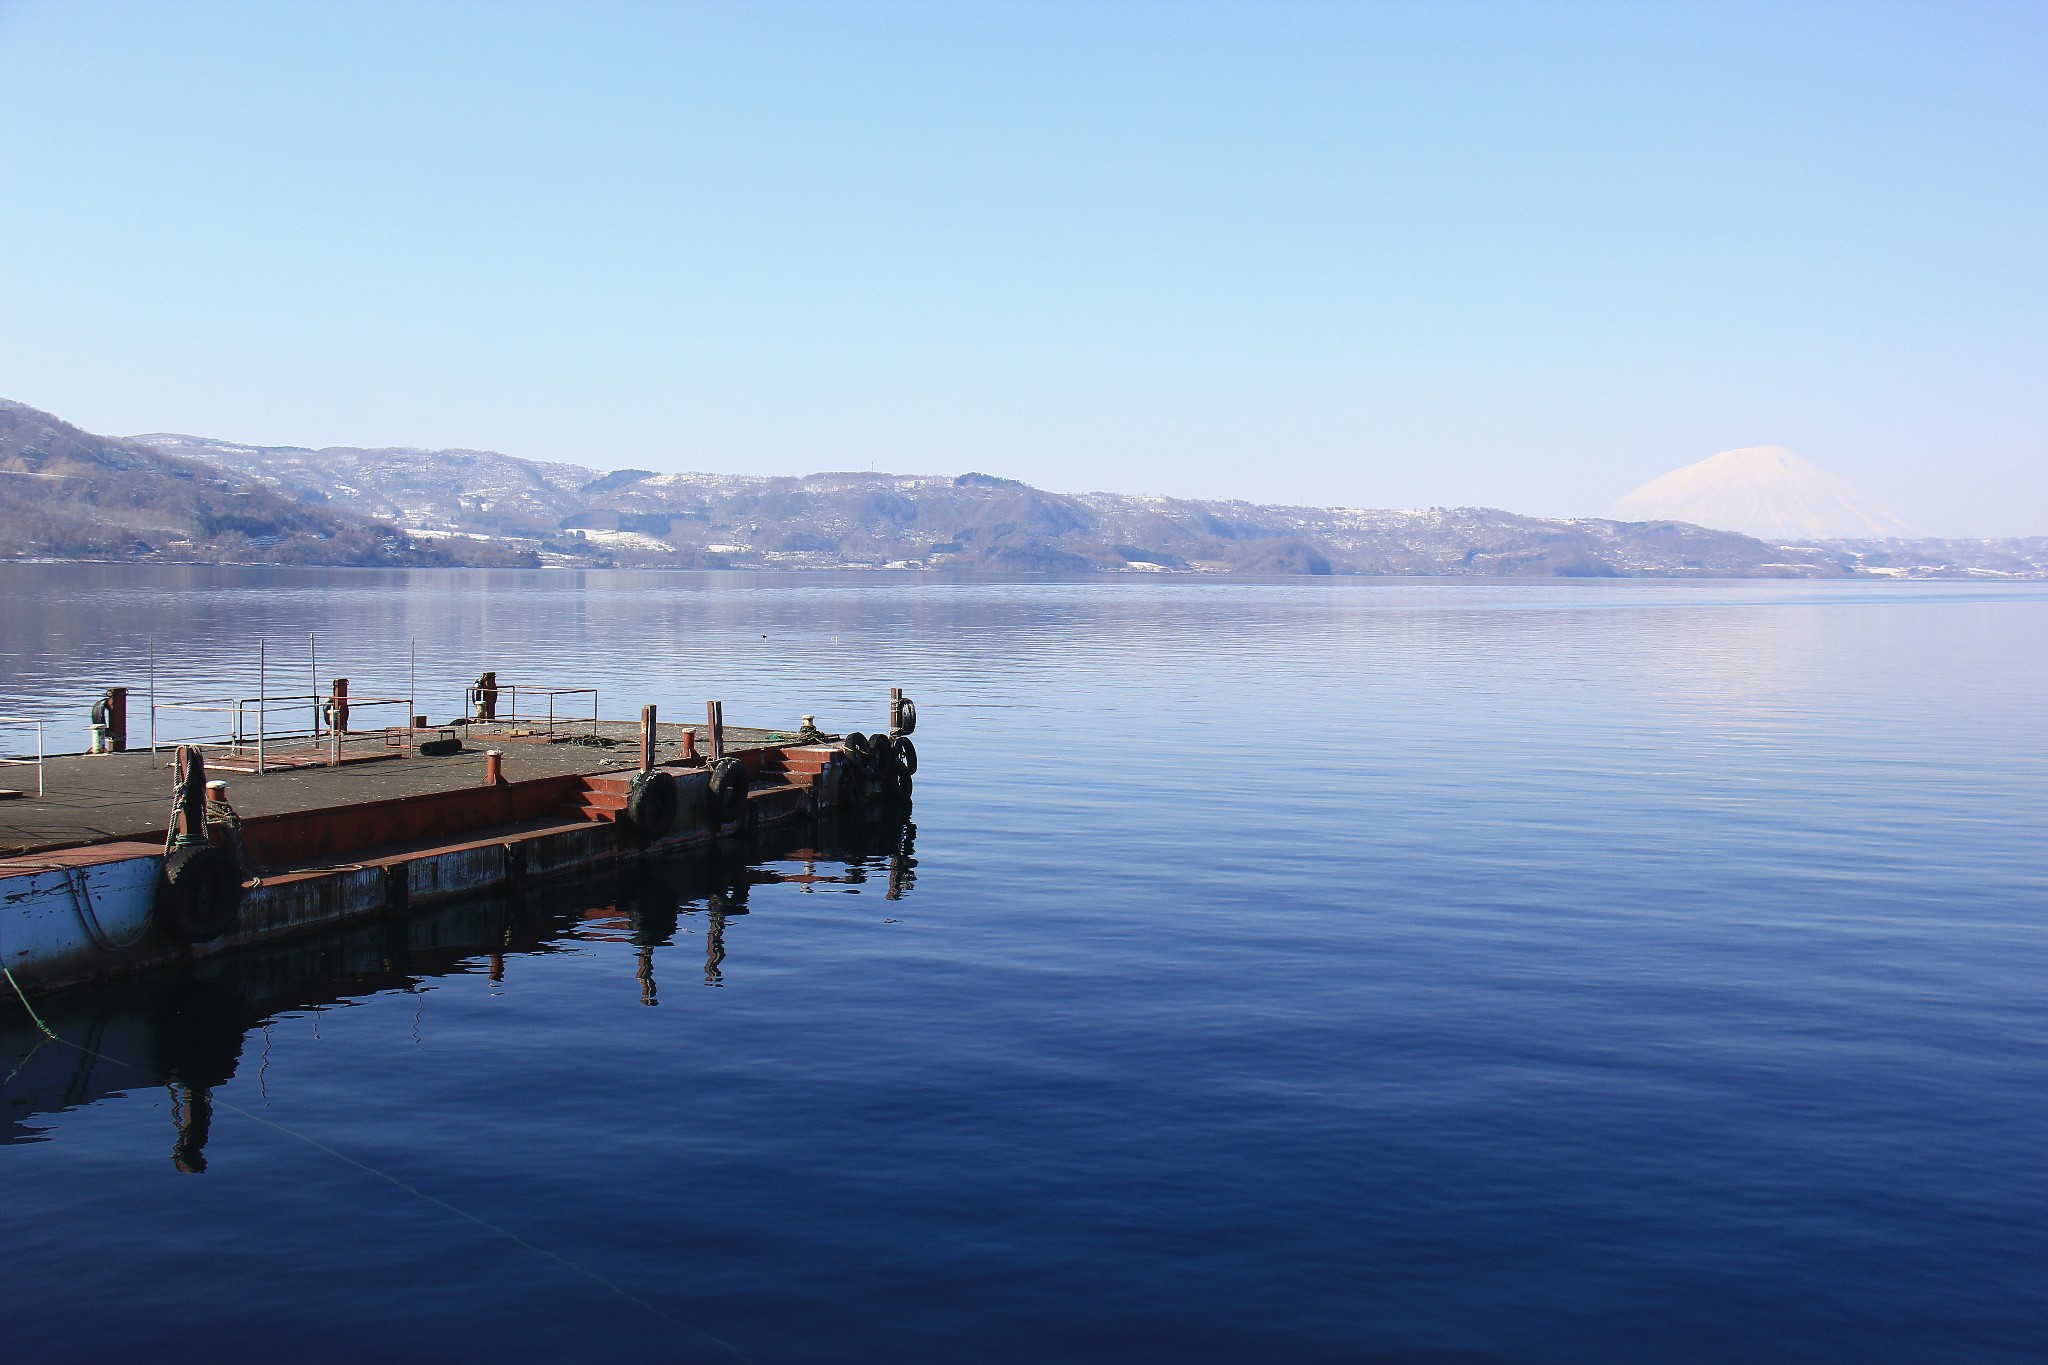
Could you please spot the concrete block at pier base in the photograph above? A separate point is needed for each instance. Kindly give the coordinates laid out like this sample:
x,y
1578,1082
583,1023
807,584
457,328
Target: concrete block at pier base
x,y
568,848
458,872
284,904
778,804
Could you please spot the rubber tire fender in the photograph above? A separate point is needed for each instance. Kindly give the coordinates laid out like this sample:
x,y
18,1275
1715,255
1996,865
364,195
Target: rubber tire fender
x,y
888,768
198,893
440,748
860,753
906,716
729,781
906,755
651,803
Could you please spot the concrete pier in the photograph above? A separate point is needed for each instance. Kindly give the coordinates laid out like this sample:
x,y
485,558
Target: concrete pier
x,y
338,844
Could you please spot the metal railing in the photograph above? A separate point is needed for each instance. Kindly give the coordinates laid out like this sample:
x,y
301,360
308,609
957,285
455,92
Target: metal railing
x,y
37,761
240,737
503,704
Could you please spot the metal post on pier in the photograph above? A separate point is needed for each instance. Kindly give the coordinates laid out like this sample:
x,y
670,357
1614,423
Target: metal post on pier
x,y
714,717
152,701
262,706
647,732
895,709
413,718
313,671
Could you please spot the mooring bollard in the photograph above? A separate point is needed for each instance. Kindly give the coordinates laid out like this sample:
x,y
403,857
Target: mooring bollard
x,y
337,707
117,720
190,821
689,746
494,767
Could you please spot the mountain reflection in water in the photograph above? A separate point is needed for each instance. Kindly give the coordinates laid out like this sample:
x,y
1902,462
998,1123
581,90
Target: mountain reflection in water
x,y
190,1033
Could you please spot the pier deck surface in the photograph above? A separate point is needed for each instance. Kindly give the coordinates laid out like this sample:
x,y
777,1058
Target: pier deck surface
x,y
121,796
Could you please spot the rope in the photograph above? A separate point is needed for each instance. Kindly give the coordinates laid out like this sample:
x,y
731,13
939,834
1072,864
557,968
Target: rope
x,y
628,1295
81,905
81,901
22,996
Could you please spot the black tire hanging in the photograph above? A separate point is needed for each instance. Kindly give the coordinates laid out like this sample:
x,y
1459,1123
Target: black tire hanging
x,y
888,768
906,755
860,753
729,782
906,716
651,804
198,893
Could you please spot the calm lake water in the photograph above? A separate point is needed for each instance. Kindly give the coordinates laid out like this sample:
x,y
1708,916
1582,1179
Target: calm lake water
x,y
1317,970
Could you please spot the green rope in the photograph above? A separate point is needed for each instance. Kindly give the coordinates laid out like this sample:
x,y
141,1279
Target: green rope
x,y
22,996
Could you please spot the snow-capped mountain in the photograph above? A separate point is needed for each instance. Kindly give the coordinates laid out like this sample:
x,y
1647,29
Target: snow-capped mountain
x,y
1768,492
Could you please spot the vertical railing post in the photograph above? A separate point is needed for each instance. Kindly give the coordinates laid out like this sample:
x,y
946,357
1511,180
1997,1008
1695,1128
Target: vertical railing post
x,y
647,732
714,718
262,685
895,709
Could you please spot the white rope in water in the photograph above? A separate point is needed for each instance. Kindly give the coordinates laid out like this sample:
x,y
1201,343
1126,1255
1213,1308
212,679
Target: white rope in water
x,y
628,1295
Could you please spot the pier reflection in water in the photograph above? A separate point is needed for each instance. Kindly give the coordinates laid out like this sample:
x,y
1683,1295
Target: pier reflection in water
x,y
190,1034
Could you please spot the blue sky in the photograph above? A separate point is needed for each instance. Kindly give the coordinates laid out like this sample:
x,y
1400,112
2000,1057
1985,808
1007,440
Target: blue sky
x,y
1385,255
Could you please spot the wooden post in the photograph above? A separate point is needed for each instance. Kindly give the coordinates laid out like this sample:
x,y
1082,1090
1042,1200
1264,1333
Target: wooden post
x,y
647,733
714,716
117,719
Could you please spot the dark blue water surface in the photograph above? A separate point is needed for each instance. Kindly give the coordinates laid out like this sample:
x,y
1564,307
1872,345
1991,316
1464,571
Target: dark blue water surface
x,y
1315,970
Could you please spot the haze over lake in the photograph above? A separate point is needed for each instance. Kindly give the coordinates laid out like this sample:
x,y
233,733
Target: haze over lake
x,y
1305,970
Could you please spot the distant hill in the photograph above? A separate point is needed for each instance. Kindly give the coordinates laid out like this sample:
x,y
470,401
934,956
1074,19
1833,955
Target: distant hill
x,y
67,494
1764,491
571,514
